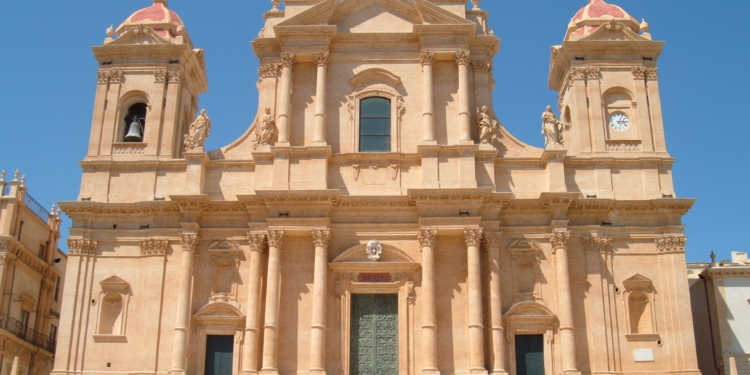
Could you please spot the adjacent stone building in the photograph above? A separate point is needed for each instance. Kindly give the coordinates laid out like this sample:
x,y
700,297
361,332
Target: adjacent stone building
x,y
376,217
720,299
31,277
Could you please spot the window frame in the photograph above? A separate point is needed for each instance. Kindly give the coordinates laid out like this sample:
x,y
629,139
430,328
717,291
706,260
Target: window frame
x,y
362,117
397,110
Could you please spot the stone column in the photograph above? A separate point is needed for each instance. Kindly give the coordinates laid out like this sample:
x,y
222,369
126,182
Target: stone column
x,y
320,99
271,326
320,277
473,239
464,112
182,322
428,98
493,241
427,241
257,243
559,240
285,99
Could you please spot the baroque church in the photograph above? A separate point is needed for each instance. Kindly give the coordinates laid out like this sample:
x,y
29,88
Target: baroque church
x,y
376,218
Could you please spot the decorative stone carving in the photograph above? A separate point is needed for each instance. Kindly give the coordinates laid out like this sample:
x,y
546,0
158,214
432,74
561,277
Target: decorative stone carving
x,y
257,241
600,244
356,169
394,172
639,72
551,128
116,76
374,250
287,60
652,73
473,237
189,241
268,70
160,76
489,127
102,77
321,237
671,244
199,130
276,238
462,57
426,57
321,59
484,66
265,131
154,247
427,237
493,239
400,109
129,148
82,247
592,72
559,238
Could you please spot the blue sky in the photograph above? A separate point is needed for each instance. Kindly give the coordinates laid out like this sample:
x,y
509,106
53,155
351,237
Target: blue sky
x,y
48,78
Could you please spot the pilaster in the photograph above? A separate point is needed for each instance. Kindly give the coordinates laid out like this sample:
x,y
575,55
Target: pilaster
x,y
427,241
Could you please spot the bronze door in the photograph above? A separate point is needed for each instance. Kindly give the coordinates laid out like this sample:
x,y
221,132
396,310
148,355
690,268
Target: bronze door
x,y
374,334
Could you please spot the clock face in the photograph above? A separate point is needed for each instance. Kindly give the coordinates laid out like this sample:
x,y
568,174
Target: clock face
x,y
619,121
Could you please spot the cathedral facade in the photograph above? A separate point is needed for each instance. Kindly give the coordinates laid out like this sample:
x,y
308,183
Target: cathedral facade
x,y
376,217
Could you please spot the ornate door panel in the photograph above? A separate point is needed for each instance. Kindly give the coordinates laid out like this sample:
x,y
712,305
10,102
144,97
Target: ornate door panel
x,y
530,355
374,334
219,353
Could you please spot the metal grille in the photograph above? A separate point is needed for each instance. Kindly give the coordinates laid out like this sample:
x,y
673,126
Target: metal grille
x,y
36,207
27,334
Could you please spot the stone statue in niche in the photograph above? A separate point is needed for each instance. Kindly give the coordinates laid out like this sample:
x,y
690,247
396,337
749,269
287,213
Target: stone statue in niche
x,y
552,128
199,130
489,127
265,131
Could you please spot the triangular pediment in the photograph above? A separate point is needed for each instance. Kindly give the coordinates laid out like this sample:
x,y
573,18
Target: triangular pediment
x,y
638,282
140,35
614,31
368,16
114,284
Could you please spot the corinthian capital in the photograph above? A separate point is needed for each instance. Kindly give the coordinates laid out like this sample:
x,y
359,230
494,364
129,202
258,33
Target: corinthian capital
x,y
559,238
276,238
189,241
82,247
493,239
321,58
671,244
427,237
462,57
321,237
473,237
287,60
426,57
154,247
600,244
257,241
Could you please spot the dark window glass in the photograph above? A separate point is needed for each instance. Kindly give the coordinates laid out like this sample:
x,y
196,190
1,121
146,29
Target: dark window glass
x,y
375,125
136,115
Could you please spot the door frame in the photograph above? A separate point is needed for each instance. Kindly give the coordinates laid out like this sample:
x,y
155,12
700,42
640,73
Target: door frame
x,y
531,318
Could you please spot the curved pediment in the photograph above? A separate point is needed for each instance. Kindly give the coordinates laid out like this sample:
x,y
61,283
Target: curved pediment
x,y
529,309
375,75
219,310
358,254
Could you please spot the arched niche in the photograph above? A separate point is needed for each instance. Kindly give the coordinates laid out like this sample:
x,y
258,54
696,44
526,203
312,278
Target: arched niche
x,y
531,318
218,318
225,257
112,315
526,257
394,273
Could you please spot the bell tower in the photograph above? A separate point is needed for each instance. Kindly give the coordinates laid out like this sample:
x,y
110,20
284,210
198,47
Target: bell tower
x,y
149,80
606,76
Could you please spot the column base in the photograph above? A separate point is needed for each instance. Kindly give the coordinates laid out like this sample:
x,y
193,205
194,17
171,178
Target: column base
x,y
478,372
466,142
570,372
317,372
499,373
269,372
430,372
248,372
178,372
430,142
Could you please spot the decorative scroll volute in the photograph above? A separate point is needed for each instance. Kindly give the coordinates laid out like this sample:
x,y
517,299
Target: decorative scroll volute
x,y
321,237
189,241
559,238
276,238
268,70
426,57
600,244
473,237
492,240
321,59
427,237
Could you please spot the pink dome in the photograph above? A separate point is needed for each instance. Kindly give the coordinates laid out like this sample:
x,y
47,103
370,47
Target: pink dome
x,y
595,14
158,17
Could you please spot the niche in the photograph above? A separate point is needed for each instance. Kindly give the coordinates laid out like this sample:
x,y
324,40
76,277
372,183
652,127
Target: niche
x,y
113,308
526,257
639,298
225,262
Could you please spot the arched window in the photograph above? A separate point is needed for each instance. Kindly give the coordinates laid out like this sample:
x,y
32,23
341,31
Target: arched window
x,y
135,123
375,125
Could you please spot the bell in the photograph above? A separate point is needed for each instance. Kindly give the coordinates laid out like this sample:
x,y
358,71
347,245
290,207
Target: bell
x,y
135,132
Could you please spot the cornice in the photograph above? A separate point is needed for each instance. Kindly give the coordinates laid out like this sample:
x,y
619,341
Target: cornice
x,y
11,245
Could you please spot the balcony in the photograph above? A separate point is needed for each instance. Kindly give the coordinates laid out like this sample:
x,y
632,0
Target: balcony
x,y
27,334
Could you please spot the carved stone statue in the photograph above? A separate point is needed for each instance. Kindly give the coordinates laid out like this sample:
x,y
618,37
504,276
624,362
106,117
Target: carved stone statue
x,y
265,131
551,128
199,130
489,127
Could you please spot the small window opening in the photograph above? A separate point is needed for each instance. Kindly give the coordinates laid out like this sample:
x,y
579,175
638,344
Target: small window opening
x,y
135,123
375,125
